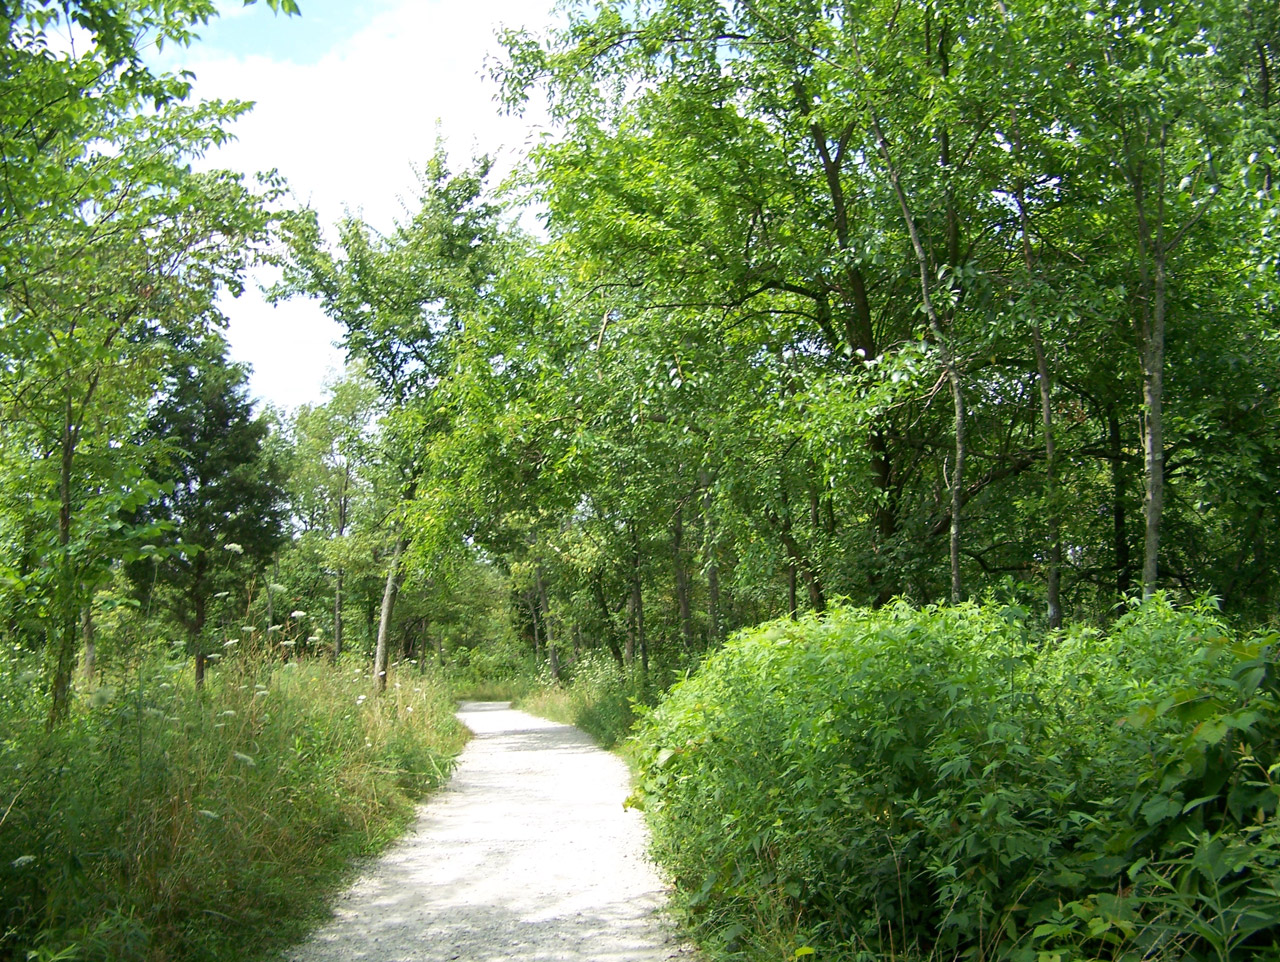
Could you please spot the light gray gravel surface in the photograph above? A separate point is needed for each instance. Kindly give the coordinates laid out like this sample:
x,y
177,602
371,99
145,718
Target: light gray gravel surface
x,y
527,855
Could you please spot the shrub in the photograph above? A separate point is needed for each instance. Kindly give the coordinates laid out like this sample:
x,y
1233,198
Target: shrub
x,y
938,782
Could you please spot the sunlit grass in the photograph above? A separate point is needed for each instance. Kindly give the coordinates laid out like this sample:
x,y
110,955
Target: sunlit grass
x,y
165,822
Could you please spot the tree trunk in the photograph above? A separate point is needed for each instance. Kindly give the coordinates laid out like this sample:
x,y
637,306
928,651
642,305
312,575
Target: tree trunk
x,y
271,591
337,615
635,634
196,628
709,550
607,623
535,623
337,584
956,480
67,637
684,605
1153,429
89,659
1054,580
544,604
1054,586
1119,534
389,595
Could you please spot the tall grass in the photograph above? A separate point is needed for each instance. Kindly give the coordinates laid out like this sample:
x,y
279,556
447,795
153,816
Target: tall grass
x,y
168,823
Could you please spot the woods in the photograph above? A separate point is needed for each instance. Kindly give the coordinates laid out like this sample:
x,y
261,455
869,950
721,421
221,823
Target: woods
x,y
800,308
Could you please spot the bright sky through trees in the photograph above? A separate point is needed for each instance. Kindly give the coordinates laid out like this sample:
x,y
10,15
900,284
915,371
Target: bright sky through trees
x,y
349,99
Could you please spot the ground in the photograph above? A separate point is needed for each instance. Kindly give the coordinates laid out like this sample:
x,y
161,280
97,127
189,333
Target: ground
x,y
527,855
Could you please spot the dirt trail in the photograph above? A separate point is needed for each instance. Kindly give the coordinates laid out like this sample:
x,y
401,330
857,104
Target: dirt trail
x,y
527,855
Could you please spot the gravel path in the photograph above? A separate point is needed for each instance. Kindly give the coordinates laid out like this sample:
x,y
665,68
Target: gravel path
x,y
527,855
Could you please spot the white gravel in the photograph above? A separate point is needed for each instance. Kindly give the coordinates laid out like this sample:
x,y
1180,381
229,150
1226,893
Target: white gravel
x,y
527,855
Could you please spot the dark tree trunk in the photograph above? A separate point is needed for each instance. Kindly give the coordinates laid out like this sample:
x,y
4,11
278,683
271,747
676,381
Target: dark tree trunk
x,y
544,605
709,551
684,604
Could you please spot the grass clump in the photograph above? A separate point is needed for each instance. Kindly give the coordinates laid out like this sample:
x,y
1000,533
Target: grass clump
x,y
165,822
944,784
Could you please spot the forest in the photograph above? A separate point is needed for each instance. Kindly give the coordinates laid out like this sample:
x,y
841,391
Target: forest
x,y
898,380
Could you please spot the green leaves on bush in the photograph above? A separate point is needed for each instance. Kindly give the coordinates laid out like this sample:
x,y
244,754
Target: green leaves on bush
x,y
939,782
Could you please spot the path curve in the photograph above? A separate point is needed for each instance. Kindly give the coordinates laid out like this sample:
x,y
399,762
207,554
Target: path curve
x,y
526,855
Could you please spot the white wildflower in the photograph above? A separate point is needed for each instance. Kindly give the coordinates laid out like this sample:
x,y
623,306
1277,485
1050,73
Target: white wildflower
x,y
296,615
233,548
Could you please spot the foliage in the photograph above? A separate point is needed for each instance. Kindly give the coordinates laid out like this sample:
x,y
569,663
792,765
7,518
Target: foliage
x,y
942,782
221,506
158,805
113,254
596,694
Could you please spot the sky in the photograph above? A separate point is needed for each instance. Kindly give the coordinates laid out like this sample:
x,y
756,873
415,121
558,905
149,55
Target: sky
x,y
349,97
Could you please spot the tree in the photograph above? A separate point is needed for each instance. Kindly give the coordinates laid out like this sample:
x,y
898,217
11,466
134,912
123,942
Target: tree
x,y
332,446
222,510
403,298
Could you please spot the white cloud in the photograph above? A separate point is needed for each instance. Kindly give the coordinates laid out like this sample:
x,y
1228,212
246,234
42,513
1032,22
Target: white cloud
x,y
346,130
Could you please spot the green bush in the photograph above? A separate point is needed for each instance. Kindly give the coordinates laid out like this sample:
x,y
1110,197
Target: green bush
x,y
164,822
938,783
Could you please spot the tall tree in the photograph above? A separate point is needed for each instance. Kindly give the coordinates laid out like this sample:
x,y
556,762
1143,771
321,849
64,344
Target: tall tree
x,y
223,501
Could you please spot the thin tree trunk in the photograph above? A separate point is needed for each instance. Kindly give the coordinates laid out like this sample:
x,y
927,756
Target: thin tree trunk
x,y
67,637
195,630
709,551
535,622
271,591
544,603
956,481
684,604
607,623
337,584
1054,585
89,658
1153,431
389,594
1119,534
635,636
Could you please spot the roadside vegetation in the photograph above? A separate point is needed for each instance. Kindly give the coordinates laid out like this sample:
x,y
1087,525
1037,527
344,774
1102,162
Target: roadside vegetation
x,y
950,783
165,822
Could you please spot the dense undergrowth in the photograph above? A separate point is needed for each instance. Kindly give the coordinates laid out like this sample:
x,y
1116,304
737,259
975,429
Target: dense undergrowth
x,y
946,784
596,694
164,822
